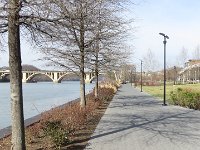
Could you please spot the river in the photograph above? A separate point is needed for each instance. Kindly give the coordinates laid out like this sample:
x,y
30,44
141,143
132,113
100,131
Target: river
x,y
39,97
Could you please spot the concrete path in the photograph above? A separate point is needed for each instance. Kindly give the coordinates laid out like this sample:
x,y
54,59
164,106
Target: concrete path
x,y
137,121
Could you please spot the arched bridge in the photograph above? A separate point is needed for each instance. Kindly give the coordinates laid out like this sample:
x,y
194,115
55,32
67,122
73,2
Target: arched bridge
x,y
55,76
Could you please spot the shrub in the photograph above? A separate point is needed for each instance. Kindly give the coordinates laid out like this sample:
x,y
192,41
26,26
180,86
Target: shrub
x,y
110,85
106,94
55,130
63,122
185,98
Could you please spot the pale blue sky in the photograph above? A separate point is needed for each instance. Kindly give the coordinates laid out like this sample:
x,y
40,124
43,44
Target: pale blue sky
x,y
179,19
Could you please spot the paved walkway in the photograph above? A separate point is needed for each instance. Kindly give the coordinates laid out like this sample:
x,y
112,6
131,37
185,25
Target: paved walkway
x,y
137,121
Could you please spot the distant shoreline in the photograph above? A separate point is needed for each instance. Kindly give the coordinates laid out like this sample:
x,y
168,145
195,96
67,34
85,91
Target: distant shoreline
x,y
35,81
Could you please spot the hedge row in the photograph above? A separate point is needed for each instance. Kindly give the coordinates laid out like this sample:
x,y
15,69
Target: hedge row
x,y
186,98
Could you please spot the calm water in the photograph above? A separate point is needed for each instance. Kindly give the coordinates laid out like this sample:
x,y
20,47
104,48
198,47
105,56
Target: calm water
x,y
39,97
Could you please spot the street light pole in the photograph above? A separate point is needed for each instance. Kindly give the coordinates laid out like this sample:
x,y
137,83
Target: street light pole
x,y
164,42
141,82
141,77
135,75
131,78
174,75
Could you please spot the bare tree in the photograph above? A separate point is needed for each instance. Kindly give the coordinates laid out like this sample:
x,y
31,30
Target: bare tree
x,y
18,135
127,72
196,53
182,57
73,39
13,17
150,62
109,32
84,29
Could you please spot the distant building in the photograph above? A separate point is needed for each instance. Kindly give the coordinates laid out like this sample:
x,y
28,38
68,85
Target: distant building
x,y
191,72
191,62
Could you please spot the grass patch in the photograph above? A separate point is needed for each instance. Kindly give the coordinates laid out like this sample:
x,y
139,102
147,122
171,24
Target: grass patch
x,y
157,91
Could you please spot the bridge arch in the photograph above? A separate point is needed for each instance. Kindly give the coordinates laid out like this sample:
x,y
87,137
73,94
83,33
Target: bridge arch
x,y
38,73
4,75
94,77
64,75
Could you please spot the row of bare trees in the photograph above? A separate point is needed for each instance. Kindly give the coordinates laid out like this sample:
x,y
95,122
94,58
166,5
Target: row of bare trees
x,y
151,64
184,55
78,35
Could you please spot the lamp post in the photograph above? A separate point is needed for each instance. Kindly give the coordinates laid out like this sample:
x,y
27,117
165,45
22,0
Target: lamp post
x,y
135,75
141,77
141,82
174,75
164,42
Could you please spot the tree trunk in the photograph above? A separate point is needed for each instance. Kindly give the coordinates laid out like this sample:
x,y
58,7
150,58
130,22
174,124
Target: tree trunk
x,y
97,53
82,82
82,63
18,135
97,71
97,82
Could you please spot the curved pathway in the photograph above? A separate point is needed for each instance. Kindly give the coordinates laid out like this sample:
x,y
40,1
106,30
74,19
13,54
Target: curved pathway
x,y
137,121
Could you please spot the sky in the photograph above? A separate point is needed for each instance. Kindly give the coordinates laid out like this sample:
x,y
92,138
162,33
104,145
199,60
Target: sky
x,y
179,19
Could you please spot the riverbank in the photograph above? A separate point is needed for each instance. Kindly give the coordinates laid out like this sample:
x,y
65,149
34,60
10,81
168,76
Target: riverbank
x,y
75,125
39,97
30,121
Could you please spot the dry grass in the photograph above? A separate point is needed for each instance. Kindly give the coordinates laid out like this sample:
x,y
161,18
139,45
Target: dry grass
x,y
76,122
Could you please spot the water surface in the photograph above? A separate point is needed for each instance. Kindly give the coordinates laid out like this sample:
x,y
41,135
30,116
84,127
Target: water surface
x,y
39,97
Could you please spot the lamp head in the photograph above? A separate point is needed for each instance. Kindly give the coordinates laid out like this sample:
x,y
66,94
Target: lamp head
x,y
162,34
165,36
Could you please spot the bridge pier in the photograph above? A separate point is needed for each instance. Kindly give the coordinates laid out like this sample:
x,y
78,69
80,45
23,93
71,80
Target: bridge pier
x,y
88,78
88,81
24,77
56,81
24,81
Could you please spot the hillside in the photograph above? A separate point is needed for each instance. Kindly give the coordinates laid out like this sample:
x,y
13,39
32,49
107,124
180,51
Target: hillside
x,y
25,67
